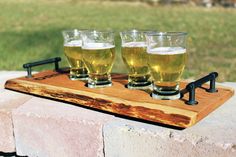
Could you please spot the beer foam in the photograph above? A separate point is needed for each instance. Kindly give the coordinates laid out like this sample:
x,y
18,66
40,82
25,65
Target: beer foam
x,y
97,46
134,44
166,50
74,43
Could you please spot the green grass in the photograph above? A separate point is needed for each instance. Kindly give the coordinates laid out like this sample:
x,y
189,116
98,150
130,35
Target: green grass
x,y
31,30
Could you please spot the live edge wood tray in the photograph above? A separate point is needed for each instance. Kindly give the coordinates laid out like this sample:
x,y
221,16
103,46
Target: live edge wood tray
x,y
119,100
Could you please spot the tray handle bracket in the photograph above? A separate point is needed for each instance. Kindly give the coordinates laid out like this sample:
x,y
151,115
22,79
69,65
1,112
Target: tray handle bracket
x,y
28,66
190,88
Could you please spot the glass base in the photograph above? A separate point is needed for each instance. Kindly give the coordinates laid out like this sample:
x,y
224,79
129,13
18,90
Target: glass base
x,y
99,81
165,97
139,82
146,85
78,74
76,77
99,85
164,92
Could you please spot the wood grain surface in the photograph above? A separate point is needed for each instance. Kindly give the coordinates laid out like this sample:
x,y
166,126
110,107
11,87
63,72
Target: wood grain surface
x,y
122,101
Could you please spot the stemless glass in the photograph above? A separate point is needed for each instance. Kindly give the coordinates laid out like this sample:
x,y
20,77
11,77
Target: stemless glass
x,y
73,53
98,56
166,59
133,50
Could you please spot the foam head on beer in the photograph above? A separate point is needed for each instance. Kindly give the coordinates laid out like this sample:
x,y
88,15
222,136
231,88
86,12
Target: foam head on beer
x,y
74,43
97,46
166,50
134,44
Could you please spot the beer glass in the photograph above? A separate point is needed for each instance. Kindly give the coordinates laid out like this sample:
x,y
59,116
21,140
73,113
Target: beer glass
x,y
166,60
98,56
73,53
133,50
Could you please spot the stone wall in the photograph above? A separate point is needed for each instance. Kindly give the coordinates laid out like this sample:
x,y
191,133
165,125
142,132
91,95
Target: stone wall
x,y
32,126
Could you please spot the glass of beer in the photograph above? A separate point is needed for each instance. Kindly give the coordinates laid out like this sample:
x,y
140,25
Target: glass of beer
x,y
133,50
98,56
166,60
73,53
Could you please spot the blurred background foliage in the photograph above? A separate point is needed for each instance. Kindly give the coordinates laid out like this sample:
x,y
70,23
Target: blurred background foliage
x,y
31,30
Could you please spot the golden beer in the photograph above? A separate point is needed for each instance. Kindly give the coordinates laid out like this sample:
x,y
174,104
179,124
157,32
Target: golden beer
x,y
135,57
99,59
166,65
73,53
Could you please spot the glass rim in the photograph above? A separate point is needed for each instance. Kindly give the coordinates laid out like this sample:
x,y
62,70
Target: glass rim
x,y
134,30
91,31
73,30
167,34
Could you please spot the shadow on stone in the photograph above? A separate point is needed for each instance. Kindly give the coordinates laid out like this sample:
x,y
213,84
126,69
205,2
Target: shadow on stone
x,y
13,154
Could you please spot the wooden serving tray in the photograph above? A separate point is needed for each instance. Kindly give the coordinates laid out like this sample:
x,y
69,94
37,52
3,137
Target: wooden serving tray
x,y
119,100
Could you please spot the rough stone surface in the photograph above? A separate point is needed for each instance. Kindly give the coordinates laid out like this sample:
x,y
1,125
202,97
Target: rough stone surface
x,y
6,75
46,128
9,100
214,136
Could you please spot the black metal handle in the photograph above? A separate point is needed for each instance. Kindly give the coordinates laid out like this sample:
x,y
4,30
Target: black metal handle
x,y
28,66
190,88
